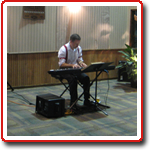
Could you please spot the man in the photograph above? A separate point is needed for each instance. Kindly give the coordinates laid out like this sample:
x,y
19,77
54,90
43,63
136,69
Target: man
x,y
70,56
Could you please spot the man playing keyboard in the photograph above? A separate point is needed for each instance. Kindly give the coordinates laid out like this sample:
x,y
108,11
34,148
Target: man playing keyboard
x,y
70,56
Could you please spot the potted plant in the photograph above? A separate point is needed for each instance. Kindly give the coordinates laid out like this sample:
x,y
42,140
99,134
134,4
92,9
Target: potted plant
x,y
130,55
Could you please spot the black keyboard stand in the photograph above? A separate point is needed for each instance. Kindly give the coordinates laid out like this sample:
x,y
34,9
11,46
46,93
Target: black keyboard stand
x,y
98,68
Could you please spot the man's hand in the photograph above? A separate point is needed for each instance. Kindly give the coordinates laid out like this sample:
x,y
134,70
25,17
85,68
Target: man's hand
x,y
83,65
76,66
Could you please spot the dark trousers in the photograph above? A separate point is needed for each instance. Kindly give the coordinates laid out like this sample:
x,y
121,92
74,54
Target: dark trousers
x,y
72,80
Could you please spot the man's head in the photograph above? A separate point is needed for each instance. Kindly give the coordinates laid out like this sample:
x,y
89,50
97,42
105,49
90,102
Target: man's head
x,y
74,40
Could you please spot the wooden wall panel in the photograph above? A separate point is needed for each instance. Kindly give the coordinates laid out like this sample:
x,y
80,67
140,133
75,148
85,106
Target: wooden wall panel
x,y
31,69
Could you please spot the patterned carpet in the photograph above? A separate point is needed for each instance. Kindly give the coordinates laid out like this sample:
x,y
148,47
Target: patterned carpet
x,y
121,120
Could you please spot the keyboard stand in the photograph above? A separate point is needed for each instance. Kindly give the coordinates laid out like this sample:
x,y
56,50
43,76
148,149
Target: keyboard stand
x,y
98,68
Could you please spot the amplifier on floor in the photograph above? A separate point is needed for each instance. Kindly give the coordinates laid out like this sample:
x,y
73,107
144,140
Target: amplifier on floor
x,y
122,73
50,105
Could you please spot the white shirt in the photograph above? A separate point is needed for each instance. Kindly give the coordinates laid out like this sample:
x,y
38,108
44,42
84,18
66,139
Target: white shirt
x,y
73,56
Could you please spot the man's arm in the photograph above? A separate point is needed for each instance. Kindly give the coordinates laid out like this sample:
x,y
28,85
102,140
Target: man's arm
x,y
80,60
65,65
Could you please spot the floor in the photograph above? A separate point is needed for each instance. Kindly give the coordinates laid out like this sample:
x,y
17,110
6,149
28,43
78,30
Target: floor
x,y
120,121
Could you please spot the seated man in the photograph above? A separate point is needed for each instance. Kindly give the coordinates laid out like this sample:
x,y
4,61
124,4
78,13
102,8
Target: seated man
x,y
70,55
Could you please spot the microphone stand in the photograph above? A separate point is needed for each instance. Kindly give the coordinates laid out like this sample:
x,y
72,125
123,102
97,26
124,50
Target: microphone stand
x,y
10,86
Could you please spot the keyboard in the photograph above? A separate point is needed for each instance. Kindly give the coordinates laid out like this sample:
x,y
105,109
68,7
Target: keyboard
x,y
64,71
92,68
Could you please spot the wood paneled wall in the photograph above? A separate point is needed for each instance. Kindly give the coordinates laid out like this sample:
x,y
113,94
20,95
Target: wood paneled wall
x,y
31,69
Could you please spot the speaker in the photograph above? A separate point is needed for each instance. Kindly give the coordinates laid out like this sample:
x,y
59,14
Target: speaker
x,y
122,74
50,105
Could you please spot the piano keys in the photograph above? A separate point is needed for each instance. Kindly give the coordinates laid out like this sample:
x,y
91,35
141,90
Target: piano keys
x,y
91,68
64,71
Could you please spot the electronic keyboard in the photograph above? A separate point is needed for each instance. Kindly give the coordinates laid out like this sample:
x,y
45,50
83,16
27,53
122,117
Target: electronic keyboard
x,y
64,71
92,68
